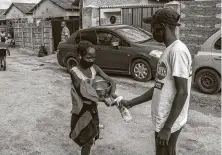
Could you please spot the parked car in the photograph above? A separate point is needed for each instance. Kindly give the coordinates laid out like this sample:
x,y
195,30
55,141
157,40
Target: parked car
x,y
207,65
120,49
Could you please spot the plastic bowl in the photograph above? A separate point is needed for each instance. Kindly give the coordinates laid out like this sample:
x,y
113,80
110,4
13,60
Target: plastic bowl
x,y
102,87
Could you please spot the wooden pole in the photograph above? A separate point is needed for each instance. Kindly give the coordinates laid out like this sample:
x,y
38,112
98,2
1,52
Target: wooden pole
x,y
32,43
42,34
80,13
23,41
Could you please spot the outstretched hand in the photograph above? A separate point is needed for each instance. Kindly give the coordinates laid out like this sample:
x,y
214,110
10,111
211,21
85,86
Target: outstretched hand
x,y
126,104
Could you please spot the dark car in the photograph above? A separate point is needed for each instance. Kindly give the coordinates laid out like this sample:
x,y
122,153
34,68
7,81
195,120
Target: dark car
x,y
120,49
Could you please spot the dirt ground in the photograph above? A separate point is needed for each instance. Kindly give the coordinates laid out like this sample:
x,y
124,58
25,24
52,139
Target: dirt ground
x,y
35,115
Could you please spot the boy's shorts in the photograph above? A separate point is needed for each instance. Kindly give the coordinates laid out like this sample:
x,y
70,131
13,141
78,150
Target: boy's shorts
x,y
2,53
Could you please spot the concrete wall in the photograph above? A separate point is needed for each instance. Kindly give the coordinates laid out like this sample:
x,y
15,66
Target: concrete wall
x,y
49,9
15,13
31,36
87,17
91,11
199,19
110,2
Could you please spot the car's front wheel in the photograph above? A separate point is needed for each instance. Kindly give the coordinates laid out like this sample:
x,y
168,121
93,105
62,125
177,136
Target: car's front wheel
x,y
71,62
208,81
141,70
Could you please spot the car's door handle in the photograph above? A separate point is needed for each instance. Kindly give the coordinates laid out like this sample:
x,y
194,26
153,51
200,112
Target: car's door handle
x,y
218,58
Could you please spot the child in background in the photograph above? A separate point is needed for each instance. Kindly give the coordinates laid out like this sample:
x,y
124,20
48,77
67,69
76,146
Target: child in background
x,y
3,50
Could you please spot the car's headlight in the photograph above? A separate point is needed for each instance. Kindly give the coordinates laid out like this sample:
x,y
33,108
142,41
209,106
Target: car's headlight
x,y
156,53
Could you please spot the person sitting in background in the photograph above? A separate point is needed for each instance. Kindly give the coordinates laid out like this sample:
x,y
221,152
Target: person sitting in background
x,y
10,41
3,34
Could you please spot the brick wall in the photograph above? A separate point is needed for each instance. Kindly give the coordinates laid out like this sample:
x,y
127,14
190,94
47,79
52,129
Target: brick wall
x,y
31,36
199,22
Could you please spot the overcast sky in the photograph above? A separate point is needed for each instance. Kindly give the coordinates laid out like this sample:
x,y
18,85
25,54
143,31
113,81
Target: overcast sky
x,y
4,4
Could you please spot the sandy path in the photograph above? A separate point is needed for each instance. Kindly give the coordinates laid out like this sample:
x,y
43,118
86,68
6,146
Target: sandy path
x,y
35,116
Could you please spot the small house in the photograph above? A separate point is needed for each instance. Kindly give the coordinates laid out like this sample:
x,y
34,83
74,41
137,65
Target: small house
x,y
19,11
55,9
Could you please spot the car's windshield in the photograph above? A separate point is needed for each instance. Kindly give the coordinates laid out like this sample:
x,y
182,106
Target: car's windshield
x,y
133,34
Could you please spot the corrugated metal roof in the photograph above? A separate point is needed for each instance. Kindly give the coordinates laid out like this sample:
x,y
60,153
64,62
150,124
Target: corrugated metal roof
x,y
76,2
65,4
131,5
24,7
2,16
2,11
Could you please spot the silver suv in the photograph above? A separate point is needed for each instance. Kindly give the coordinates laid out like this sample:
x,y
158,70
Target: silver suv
x,y
207,65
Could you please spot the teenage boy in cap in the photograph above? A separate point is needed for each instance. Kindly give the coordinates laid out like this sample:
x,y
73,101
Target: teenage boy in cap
x,y
171,93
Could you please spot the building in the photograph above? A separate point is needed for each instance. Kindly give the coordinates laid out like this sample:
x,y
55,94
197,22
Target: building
x,y
19,11
103,12
2,20
55,9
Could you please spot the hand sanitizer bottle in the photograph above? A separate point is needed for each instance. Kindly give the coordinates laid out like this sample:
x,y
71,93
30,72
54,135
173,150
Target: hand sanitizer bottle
x,y
123,110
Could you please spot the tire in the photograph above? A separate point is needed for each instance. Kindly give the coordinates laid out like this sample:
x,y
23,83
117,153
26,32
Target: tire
x,y
71,62
208,81
141,70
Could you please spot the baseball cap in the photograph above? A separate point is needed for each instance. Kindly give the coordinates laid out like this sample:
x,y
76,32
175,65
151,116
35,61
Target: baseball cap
x,y
165,15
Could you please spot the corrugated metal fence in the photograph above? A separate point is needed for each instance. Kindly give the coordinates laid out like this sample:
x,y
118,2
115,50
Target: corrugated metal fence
x,y
134,15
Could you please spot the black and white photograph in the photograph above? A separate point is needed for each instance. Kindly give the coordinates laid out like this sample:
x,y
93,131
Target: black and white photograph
x,y
110,77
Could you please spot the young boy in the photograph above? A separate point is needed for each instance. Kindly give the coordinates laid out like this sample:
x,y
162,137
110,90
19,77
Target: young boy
x,y
85,120
3,50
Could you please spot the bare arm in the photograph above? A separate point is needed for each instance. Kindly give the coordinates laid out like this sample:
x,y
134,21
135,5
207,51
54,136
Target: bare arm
x,y
147,96
178,102
107,78
75,81
8,51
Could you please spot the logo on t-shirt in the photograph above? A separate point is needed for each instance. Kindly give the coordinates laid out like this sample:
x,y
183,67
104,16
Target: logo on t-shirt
x,y
161,71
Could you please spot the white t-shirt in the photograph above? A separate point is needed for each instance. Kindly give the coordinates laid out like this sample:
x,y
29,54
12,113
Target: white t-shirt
x,y
175,61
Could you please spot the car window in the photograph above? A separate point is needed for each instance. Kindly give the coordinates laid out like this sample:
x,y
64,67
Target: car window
x,y
89,36
217,45
106,39
134,34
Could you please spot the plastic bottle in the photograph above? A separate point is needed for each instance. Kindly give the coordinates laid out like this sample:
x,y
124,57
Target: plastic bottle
x,y
123,110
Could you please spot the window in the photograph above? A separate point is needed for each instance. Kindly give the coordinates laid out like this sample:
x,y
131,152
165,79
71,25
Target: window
x,y
217,45
106,38
133,34
89,36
